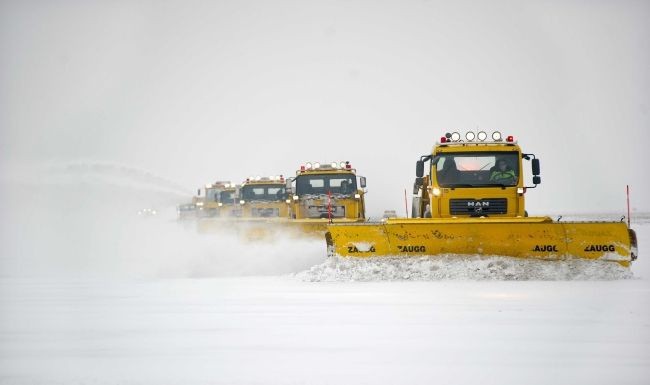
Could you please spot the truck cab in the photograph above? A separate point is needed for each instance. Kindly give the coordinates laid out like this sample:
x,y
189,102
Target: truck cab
x,y
208,204
474,177
228,202
264,197
327,191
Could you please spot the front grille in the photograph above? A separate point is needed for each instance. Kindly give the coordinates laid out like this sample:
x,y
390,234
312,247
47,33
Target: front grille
x,y
322,211
267,212
478,207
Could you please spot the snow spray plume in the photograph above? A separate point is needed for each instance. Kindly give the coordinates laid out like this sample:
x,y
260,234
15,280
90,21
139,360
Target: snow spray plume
x,y
83,220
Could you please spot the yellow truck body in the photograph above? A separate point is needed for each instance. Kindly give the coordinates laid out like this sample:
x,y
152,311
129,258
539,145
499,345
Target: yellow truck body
x,y
321,194
471,202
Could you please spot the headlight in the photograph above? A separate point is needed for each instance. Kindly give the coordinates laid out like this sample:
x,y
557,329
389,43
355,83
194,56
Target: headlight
x,y
335,165
470,136
455,136
316,165
496,136
241,202
199,204
482,136
295,197
357,196
520,190
436,192
342,164
220,204
288,201
308,165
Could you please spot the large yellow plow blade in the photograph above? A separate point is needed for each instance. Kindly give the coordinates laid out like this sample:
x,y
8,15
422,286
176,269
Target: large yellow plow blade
x,y
267,229
530,237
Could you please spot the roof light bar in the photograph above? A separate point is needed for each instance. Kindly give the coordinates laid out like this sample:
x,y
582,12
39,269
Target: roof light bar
x,y
471,136
325,166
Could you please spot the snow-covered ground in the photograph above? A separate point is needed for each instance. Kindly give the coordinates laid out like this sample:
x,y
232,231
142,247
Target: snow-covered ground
x,y
92,293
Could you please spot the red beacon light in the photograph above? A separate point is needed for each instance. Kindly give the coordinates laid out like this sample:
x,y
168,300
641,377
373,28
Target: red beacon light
x,y
510,138
348,166
443,139
302,168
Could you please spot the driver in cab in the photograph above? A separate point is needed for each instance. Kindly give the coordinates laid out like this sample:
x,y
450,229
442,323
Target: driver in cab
x,y
503,173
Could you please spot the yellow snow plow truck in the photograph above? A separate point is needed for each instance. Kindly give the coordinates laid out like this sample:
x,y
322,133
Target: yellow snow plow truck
x,y
325,193
264,197
208,204
228,203
471,202
223,206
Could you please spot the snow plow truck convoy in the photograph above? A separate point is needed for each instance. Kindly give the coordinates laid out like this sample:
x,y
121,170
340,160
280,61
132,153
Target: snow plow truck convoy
x,y
470,201
319,194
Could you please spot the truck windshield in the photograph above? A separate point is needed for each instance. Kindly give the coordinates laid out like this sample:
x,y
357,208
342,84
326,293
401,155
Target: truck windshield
x,y
478,169
263,193
211,194
227,197
343,184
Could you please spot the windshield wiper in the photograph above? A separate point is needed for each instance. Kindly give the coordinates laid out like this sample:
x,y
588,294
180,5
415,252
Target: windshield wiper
x,y
494,185
476,185
457,185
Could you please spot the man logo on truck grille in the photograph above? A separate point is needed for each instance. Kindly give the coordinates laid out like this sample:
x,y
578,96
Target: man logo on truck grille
x,y
478,204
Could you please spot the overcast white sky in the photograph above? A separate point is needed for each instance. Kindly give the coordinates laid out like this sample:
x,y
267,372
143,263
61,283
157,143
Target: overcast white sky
x,y
200,91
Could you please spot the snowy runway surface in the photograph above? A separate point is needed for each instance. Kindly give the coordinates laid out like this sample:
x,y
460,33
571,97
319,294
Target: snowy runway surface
x,y
90,293
461,267
277,330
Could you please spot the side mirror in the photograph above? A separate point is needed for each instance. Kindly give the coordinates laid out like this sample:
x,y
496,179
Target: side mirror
x,y
362,181
419,169
537,180
535,165
288,185
198,192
